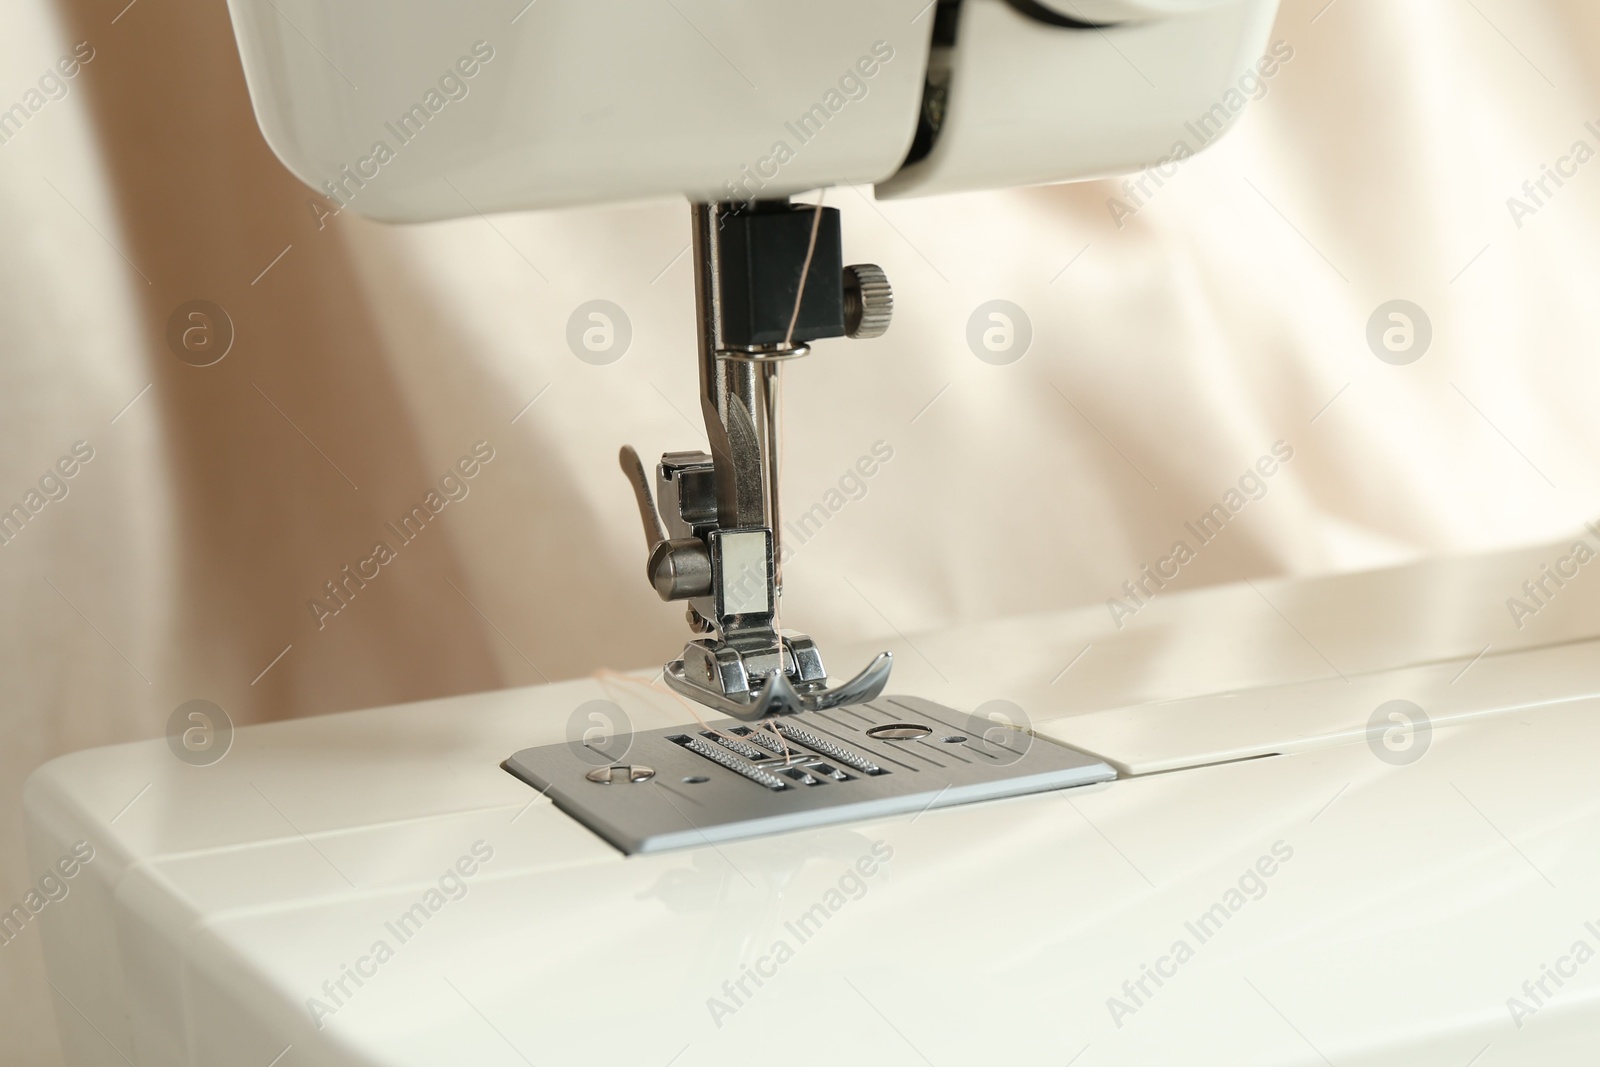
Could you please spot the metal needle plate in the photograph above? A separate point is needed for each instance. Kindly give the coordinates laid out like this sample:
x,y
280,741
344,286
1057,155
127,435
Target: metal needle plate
x,y
732,780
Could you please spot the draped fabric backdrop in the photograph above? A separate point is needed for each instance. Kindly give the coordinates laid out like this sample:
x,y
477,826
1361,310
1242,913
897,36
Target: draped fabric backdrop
x,y
1173,345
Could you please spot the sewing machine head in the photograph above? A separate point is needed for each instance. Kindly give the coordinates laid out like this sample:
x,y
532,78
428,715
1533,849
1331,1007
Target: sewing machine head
x,y
413,111
737,108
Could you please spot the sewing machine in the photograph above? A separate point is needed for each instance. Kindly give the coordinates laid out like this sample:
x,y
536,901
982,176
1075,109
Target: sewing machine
x,y
788,862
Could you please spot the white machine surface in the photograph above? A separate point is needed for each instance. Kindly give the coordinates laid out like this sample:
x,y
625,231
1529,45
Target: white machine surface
x,y
417,110
1279,876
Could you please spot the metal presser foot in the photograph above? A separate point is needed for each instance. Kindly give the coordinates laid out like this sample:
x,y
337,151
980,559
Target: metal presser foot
x,y
715,540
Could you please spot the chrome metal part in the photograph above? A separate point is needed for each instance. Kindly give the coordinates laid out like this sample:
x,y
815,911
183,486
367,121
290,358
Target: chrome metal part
x,y
680,569
868,301
734,744
900,731
821,745
621,774
633,467
718,679
733,763
714,538
729,781
771,455
767,354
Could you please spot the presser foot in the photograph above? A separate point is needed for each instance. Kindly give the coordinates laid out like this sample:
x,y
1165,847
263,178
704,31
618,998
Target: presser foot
x,y
752,687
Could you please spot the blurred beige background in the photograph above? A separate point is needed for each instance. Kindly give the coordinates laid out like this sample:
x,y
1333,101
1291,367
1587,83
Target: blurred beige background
x,y
1228,314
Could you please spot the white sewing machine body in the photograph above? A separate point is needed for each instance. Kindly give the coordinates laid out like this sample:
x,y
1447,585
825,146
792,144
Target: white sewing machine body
x,y
371,888
422,111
